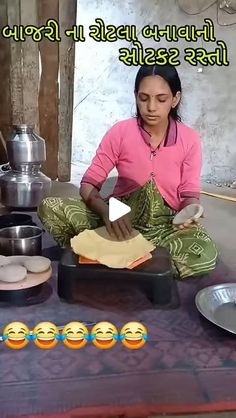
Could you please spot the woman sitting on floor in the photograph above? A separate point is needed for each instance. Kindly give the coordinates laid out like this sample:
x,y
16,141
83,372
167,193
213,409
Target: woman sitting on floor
x,y
158,159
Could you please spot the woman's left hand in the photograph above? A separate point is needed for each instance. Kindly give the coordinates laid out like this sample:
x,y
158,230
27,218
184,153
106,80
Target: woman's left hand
x,y
190,223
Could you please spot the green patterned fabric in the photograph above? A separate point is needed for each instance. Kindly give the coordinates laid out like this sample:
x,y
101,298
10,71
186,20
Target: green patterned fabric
x,y
192,250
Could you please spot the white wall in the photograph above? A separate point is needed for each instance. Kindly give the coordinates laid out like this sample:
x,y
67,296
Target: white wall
x,y
104,85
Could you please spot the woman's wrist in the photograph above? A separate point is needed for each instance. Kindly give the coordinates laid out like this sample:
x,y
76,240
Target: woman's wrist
x,y
189,201
98,205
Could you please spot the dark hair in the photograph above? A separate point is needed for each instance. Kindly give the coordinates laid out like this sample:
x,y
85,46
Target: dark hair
x,y
170,75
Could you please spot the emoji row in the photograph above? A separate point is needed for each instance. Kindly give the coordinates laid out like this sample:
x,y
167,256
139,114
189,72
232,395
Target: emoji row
x,y
75,335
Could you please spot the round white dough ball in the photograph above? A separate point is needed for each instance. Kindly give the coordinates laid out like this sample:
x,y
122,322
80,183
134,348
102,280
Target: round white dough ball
x,y
18,259
12,273
37,264
4,261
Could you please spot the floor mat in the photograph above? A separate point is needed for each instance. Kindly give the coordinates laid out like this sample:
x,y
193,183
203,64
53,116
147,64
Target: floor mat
x,y
188,365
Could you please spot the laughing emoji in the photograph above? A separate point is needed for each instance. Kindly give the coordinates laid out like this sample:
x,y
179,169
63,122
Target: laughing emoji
x,y
104,335
16,335
133,335
75,335
45,335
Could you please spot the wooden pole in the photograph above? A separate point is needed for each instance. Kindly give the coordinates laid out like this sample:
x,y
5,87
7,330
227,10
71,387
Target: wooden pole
x,y
30,63
16,68
67,18
48,92
5,91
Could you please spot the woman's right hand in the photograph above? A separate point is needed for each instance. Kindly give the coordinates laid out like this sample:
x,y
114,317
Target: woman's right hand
x,y
121,229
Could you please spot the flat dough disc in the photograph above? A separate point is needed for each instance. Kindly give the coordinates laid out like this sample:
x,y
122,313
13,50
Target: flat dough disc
x,y
12,273
37,264
4,261
31,280
190,212
18,259
98,245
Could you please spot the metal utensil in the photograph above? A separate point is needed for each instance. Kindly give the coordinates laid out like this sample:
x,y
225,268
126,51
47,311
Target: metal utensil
x,y
217,304
21,240
24,146
24,185
24,189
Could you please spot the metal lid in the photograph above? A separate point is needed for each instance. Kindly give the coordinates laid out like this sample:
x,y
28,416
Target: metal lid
x,y
23,128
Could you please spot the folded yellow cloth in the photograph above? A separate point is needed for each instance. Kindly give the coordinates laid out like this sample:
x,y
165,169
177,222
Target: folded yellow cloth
x,y
98,245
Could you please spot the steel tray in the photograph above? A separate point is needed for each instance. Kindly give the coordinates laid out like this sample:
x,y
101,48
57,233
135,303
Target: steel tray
x,y
218,304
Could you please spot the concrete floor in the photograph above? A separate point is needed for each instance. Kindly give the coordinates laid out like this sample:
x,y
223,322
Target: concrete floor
x,y
220,222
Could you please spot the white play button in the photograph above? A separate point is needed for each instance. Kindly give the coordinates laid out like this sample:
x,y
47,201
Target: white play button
x,y
117,209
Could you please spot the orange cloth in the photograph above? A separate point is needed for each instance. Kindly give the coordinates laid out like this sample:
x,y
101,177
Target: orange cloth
x,y
84,260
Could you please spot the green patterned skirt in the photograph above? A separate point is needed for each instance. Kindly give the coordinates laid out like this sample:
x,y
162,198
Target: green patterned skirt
x,y
193,251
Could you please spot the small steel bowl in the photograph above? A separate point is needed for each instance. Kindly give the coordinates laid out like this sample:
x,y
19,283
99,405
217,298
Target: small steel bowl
x,y
21,240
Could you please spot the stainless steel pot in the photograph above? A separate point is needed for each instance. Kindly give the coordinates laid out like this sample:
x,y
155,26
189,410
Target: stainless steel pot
x,y
24,146
21,240
24,189
22,183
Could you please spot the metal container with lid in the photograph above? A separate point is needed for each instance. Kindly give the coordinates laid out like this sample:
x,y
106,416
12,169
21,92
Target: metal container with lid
x,y
24,189
24,146
23,185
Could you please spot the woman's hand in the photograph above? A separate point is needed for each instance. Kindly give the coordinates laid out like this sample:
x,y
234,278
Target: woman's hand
x,y
121,229
190,223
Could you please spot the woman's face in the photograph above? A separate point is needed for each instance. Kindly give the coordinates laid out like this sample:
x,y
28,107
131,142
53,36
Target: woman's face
x,y
155,100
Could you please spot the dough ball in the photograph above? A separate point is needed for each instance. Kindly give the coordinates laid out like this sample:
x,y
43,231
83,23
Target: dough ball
x,y
12,273
4,261
18,259
37,264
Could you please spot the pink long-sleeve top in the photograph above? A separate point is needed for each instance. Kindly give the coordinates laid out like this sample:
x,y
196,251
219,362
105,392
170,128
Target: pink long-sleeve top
x,y
175,166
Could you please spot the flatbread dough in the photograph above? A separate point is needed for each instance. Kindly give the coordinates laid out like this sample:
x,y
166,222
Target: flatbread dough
x,y
190,212
98,245
18,259
37,264
12,273
4,260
